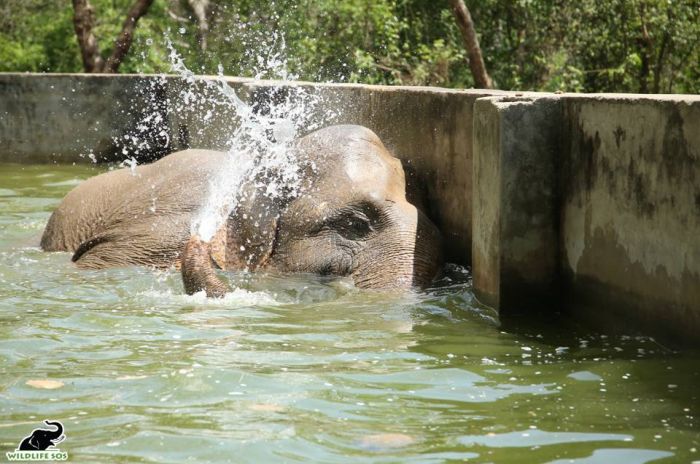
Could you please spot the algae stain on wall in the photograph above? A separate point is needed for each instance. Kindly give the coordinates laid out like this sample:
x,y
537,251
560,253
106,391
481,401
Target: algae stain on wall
x,y
629,217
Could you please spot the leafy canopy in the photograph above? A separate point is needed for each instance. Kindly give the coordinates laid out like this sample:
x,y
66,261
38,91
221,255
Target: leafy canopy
x,y
587,45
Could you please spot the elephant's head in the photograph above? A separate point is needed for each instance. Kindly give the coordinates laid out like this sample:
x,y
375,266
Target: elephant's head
x,y
350,217
41,439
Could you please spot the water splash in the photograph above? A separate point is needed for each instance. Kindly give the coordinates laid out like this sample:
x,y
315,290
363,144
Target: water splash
x,y
258,137
259,146
237,298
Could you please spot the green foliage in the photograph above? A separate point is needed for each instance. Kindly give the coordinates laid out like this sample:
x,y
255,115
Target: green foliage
x,y
592,45
640,45
37,35
582,46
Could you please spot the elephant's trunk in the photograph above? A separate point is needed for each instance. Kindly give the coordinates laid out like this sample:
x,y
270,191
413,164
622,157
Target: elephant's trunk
x,y
409,255
427,252
54,434
198,270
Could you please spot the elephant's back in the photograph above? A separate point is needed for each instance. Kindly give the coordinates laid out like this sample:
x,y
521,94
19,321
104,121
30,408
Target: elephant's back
x,y
132,198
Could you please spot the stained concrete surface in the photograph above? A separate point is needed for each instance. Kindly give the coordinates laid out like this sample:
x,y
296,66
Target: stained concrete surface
x,y
630,210
590,204
515,249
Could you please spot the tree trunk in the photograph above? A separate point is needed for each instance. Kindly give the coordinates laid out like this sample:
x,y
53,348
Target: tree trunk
x,y
471,43
646,48
200,8
658,68
665,45
123,42
83,22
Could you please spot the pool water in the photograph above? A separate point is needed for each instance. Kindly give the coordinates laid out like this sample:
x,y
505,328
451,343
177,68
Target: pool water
x,y
305,369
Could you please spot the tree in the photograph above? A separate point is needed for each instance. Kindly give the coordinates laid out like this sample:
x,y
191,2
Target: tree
x,y
200,8
471,43
547,45
84,24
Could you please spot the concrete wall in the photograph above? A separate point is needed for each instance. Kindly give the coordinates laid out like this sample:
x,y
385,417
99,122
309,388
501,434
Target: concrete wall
x,y
45,117
630,210
584,202
590,203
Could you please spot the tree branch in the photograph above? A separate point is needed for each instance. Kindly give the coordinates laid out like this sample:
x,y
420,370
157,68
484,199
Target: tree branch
x,y
646,45
658,69
177,18
471,43
123,42
199,8
84,22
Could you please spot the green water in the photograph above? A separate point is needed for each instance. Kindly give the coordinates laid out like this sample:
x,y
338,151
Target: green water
x,y
308,370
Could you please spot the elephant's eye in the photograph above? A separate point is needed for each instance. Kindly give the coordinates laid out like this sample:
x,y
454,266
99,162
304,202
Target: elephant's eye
x,y
353,223
354,227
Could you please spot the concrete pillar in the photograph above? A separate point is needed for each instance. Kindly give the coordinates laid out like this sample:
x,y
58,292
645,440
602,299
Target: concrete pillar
x,y
515,243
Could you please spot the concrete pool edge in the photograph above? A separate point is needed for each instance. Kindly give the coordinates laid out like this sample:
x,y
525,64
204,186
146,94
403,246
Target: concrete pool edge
x,y
602,193
590,202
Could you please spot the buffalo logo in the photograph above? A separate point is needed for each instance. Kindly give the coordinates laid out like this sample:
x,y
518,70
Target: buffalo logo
x,y
39,445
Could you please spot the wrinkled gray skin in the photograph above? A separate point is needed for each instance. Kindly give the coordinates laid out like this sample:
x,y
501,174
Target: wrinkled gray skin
x,y
350,219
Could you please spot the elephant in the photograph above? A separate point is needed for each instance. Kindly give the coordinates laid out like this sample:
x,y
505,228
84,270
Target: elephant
x,y
41,439
348,216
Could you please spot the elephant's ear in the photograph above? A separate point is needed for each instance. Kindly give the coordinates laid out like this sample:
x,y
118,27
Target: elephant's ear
x,y
33,442
252,231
